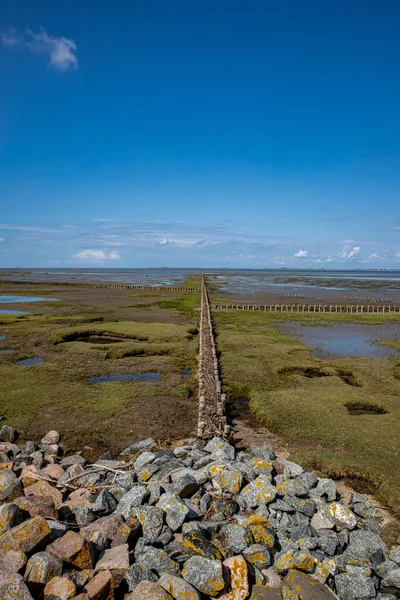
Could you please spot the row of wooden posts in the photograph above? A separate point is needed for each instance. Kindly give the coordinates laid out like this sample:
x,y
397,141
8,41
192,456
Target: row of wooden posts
x,y
108,286
314,308
212,420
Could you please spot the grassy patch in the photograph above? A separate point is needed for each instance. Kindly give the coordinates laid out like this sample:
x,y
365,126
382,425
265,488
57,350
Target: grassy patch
x,y
305,400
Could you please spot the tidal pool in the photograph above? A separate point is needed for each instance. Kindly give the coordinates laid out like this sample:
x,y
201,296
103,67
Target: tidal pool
x,y
156,376
343,340
17,299
27,362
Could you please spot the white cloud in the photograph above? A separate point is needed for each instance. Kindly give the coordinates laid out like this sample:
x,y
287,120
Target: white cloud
x,y
349,252
163,242
302,254
60,50
2,240
96,255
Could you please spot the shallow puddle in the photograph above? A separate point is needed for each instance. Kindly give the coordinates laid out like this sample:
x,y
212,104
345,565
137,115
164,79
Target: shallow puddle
x,y
17,299
30,361
7,351
344,339
156,376
13,312
186,372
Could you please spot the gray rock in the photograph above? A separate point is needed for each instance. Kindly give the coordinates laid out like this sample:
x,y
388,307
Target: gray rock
x,y
354,584
174,508
258,556
392,579
57,529
8,434
73,459
151,520
42,567
341,515
257,491
156,559
237,538
83,515
204,574
328,544
291,469
221,446
12,561
327,488
304,506
366,541
184,486
178,587
132,499
136,446
144,459
383,568
51,437
265,451
135,574
321,521
10,516
12,587
395,555
105,503
10,486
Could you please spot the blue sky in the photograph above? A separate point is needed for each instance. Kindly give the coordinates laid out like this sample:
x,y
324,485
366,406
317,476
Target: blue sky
x,y
238,134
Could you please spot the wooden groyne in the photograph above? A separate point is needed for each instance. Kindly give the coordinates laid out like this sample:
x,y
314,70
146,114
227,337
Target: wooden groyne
x,y
108,286
314,308
212,420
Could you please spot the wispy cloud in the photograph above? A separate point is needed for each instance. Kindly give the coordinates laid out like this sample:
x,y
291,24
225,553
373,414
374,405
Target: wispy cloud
x,y
349,252
60,51
302,254
2,240
95,256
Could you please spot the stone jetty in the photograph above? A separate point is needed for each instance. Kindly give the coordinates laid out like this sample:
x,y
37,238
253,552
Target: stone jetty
x,y
198,521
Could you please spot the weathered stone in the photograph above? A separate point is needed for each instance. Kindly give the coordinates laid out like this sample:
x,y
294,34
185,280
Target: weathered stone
x,y
83,515
258,556
136,446
219,445
115,560
12,561
292,559
73,459
105,503
341,515
178,588
156,559
151,519
204,574
225,480
27,536
10,486
51,437
394,555
54,471
113,528
10,516
148,590
132,499
42,567
101,587
392,579
12,587
44,489
59,588
174,508
236,567
259,490
308,588
237,537
184,486
196,543
73,549
261,592
136,573
321,521
366,542
354,585
263,534
272,577
8,434
143,459
37,506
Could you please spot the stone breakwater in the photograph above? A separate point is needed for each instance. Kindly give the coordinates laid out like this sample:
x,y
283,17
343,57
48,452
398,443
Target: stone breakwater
x,y
199,521
212,420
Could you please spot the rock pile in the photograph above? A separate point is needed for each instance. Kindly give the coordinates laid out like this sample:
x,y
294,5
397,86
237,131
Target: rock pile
x,y
200,521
